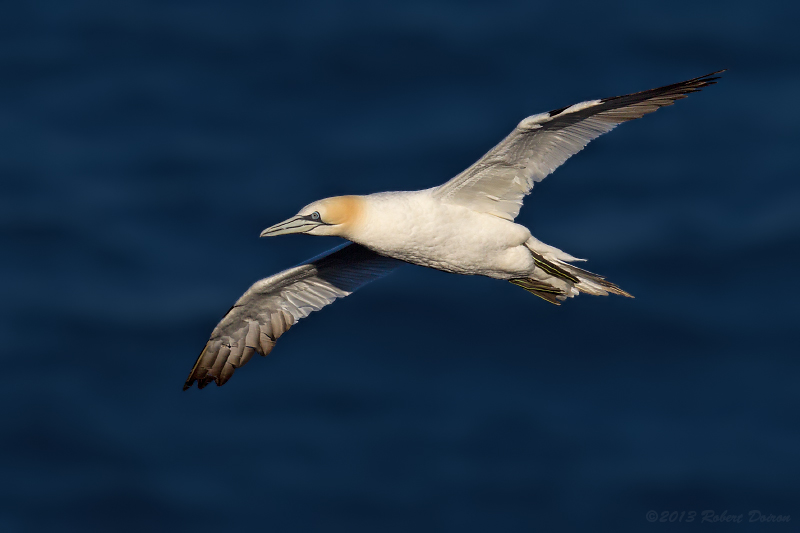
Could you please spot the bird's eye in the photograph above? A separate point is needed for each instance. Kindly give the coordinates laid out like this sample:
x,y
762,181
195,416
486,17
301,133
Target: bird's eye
x,y
315,215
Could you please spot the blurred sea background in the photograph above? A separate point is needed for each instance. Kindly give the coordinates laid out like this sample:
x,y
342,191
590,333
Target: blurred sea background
x,y
144,145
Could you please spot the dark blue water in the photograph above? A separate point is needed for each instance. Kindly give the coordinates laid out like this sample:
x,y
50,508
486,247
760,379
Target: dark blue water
x,y
146,144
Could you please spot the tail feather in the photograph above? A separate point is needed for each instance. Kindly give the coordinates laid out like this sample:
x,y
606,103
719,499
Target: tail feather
x,y
552,268
589,278
555,279
540,289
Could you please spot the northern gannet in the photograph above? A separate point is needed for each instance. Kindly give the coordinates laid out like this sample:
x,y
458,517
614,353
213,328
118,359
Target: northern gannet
x,y
465,226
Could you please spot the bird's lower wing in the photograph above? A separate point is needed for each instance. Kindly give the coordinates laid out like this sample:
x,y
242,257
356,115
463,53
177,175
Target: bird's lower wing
x,y
272,305
498,182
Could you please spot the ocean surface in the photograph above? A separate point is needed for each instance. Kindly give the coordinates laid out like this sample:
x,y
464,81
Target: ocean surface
x,y
144,145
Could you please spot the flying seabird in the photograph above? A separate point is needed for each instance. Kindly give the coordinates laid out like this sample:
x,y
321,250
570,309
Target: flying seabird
x,y
465,226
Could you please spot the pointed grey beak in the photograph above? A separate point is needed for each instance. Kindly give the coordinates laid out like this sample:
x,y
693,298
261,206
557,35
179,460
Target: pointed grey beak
x,y
296,224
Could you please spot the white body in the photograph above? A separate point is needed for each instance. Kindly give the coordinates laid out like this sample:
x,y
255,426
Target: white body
x,y
418,228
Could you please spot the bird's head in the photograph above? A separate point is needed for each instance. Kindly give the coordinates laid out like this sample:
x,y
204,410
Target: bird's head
x,y
331,216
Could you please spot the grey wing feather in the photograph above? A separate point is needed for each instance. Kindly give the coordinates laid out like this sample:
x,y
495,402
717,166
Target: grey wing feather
x,y
273,305
498,182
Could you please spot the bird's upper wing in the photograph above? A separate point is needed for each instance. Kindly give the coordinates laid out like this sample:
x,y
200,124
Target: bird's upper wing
x,y
272,305
497,183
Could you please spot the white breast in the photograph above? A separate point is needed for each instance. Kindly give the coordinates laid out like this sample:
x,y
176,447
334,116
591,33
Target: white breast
x,y
418,228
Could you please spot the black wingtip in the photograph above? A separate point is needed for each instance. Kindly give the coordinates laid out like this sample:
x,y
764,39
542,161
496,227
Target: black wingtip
x,y
708,79
677,91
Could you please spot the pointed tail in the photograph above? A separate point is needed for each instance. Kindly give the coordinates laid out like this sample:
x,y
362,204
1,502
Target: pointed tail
x,y
555,280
